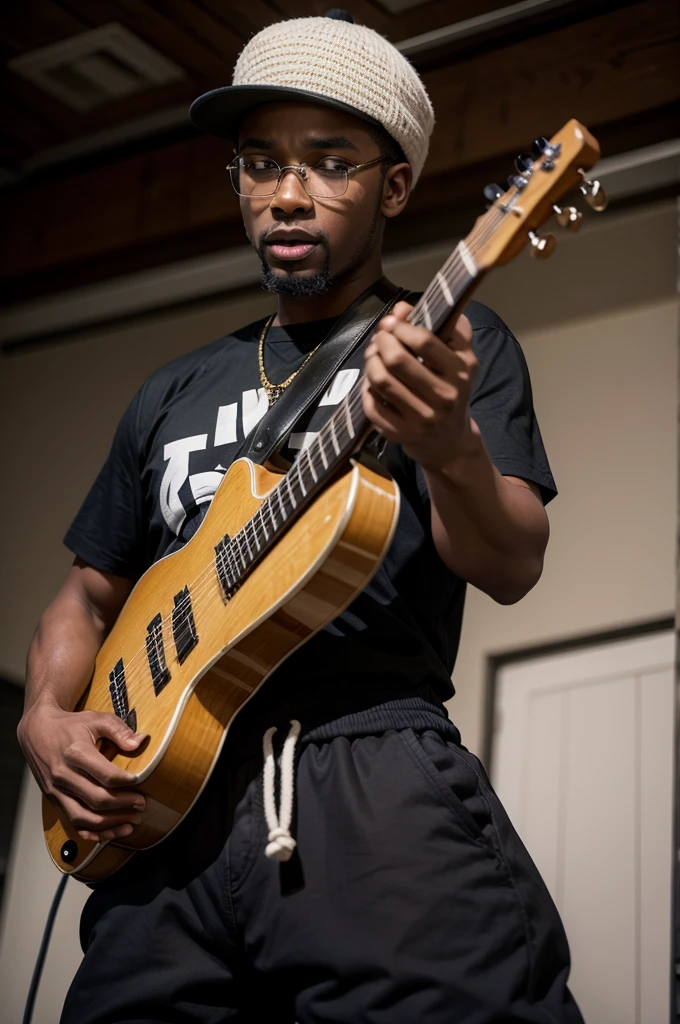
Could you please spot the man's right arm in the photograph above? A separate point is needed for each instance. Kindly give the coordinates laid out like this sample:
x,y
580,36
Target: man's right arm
x,y
58,743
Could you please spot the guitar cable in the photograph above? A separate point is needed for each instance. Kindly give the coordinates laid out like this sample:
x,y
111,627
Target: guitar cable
x,y
42,952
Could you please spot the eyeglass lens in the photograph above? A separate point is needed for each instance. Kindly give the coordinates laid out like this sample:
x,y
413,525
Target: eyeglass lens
x,y
259,177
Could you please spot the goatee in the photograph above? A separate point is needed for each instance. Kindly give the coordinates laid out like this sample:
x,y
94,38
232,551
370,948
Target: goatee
x,y
294,286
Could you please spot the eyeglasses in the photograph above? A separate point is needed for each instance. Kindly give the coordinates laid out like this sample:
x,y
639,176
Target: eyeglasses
x,y
259,176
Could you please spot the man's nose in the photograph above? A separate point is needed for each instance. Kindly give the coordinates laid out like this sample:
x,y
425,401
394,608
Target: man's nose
x,y
291,194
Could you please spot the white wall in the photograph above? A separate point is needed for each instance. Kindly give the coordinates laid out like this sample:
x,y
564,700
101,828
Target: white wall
x,y
598,324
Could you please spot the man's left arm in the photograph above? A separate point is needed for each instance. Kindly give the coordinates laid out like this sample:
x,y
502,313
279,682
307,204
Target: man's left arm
x,y
489,529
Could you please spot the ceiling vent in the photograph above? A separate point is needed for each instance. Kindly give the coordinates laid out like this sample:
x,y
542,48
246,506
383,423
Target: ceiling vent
x,y
93,68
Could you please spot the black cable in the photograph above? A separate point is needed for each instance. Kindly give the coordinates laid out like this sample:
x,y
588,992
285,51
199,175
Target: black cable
x,y
42,952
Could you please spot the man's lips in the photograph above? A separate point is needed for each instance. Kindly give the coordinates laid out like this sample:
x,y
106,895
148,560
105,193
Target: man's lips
x,y
291,250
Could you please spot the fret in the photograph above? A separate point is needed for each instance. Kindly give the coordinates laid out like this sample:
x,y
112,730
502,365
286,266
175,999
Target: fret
x,y
261,512
467,259
299,473
350,425
290,490
237,538
259,515
443,284
322,451
426,312
333,437
307,452
281,505
245,533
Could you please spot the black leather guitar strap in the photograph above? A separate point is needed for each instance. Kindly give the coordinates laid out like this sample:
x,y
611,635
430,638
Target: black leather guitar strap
x,y
354,326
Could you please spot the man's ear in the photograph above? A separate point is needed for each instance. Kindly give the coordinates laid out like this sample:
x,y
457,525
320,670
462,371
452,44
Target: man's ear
x,y
396,189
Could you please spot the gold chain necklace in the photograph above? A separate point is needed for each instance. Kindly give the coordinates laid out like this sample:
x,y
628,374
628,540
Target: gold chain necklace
x,y
275,391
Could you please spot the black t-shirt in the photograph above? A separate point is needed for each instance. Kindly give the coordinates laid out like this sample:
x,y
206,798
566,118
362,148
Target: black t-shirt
x,y
179,435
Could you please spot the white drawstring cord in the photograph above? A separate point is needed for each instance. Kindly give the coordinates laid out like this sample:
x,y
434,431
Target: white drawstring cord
x,y
281,843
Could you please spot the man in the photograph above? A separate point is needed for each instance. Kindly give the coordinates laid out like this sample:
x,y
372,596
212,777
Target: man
x,y
409,897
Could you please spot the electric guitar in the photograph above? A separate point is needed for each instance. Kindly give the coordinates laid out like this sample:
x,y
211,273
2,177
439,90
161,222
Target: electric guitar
x,y
279,555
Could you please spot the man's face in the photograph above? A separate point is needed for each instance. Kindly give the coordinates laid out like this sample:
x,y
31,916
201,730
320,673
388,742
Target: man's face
x,y
333,235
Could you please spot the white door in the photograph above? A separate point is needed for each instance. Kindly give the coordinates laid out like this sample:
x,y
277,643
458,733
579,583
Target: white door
x,y
583,762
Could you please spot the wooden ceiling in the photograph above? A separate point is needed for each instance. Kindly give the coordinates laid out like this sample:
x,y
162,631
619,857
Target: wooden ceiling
x,y
203,37
146,202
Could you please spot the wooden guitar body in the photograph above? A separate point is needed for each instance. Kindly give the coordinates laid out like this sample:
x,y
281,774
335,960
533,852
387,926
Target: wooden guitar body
x,y
324,559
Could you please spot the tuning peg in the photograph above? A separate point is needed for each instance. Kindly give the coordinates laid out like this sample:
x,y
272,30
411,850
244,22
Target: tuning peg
x,y
596,197
542,246
539,146
568,217
517,181
523,163
492,192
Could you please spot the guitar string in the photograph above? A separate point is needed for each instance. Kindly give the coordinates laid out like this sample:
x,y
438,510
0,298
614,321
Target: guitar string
x,y
437,305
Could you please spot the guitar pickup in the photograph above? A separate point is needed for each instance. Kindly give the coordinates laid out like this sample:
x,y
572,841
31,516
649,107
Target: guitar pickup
x,y
118,690
183,625
155,653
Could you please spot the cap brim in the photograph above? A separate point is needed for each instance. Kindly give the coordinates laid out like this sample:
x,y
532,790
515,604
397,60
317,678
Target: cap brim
x,y
219,112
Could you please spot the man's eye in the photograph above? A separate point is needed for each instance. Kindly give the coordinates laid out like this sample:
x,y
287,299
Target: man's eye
x,y
331,165
258,164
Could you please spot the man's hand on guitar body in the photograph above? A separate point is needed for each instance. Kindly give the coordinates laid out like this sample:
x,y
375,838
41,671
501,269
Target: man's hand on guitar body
x,y
60,747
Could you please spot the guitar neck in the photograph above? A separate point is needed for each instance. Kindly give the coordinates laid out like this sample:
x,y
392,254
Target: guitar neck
x,y
447,292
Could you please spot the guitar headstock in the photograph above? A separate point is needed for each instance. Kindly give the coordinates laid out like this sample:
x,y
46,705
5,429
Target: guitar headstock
x,y
555,167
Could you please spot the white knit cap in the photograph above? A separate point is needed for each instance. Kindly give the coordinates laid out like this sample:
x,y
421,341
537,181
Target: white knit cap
x,y
332,61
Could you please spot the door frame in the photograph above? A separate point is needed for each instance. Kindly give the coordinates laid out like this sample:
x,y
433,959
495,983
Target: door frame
x,y
495,662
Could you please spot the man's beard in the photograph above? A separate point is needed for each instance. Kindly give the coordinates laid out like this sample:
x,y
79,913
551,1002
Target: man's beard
x,y
296,287
289,283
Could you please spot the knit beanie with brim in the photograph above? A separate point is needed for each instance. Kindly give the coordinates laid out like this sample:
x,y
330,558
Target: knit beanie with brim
x,y
326,60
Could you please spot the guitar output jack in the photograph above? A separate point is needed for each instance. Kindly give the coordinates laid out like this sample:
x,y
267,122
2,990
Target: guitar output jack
x,y
69,851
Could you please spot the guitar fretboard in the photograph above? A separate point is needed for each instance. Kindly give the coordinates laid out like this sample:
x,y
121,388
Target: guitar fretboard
x,y
341,436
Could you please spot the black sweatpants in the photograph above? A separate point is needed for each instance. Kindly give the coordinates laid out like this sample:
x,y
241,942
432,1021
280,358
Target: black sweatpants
x,y
409,898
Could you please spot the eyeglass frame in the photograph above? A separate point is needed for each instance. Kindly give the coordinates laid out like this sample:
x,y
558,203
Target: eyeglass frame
x,y
300,172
